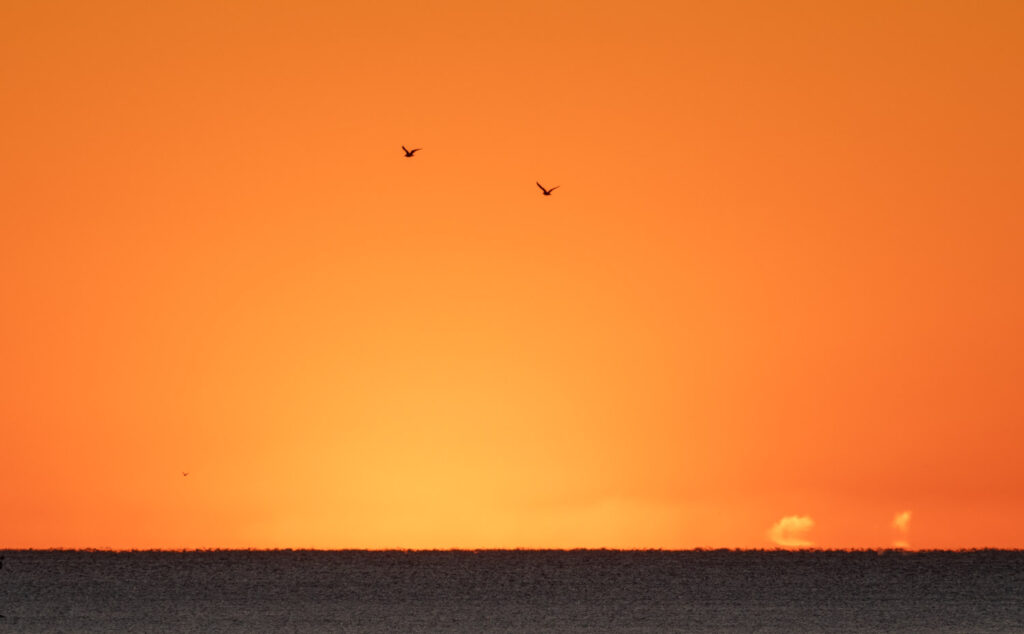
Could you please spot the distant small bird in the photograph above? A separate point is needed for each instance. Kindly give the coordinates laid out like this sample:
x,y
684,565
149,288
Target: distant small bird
x,y
547,192
409,153
184,473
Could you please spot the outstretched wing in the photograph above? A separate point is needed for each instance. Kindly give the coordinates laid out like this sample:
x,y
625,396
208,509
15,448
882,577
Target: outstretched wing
x,y
541,187
415,150
554,188
405,150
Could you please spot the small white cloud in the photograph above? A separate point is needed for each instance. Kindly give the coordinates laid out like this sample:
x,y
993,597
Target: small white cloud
x,y
902,521
791,531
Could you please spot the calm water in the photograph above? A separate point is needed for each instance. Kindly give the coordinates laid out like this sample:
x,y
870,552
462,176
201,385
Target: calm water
x,y
512,591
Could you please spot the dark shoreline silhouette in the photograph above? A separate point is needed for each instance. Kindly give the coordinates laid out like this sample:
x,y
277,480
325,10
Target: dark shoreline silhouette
x,y
702,591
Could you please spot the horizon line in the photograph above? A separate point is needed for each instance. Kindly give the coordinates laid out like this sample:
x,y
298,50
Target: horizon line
x,y
520,549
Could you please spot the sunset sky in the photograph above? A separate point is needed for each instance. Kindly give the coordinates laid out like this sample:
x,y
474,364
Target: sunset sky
x,y
777,300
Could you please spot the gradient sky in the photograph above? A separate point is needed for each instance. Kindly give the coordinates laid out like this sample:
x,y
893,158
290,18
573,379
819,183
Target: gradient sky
x,y
777,299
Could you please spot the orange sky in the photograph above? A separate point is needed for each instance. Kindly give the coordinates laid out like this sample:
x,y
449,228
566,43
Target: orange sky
x,y
777,298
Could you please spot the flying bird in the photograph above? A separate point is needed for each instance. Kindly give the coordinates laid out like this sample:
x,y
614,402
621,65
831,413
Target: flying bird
x,y
409,153
184,473
547,192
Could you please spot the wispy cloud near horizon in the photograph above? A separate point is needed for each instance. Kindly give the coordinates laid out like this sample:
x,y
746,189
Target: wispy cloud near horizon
x,y
902,523
791,531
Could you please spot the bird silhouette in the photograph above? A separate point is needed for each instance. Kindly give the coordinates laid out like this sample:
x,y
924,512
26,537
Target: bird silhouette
x,y
184,473
409,153
547,192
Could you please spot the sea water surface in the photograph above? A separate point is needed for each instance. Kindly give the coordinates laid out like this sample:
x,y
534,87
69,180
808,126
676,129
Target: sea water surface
x,y
512,591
